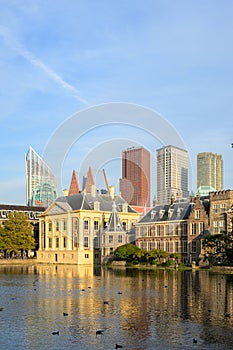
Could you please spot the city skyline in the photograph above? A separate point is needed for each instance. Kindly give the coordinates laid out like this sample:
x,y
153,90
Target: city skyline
x,y
58,60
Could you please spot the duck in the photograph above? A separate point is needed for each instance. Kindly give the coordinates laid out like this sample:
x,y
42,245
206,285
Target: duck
x,y
194,341
118,346
56,333
99,331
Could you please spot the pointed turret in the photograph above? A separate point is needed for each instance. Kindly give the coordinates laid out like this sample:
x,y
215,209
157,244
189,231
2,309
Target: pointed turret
x,y
89,182
114,223
74,187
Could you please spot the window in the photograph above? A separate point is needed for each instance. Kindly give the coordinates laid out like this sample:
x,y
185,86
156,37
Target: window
x,y
176,230
193,228
201,228
194,247
184,246
96,256
215,226
158,245
86,243
223,207
86,256
75,225
176,248
197,214
50,226
64,242
110,239
57,242
57,225
96,242
222,226
149,246
50,242
86,224
215,208
96,225
63,255
158,230
167,247
64,225
124,225
119,238
167,230
184,229
149,231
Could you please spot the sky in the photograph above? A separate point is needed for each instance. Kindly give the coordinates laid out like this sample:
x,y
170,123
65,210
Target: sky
x,y
59,58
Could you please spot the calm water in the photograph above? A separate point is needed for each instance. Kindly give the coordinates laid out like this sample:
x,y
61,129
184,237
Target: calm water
x,y
156,310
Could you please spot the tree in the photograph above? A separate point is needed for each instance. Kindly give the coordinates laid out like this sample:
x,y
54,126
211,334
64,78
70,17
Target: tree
x,y
214,248
125,251
17,234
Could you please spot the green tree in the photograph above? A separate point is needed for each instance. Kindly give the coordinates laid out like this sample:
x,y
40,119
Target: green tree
x,y
125,251
214,248
17,235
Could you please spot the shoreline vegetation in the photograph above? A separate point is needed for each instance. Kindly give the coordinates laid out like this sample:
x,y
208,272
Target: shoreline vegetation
x,y
120,264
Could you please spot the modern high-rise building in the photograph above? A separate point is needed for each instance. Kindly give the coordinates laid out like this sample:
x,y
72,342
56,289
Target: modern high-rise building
x,y
135,181
210,170
41,185
172,174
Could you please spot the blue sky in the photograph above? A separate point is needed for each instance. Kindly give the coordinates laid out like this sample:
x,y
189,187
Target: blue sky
x,y
59,57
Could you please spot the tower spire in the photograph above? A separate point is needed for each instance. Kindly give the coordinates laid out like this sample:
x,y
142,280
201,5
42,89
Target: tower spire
x,y
90,181
74,187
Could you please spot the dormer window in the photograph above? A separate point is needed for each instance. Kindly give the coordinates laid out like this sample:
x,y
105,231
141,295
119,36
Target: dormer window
x,y
152,214
170,212
161,213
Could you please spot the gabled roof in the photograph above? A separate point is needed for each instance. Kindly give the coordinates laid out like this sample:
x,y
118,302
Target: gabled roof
x,y
74,187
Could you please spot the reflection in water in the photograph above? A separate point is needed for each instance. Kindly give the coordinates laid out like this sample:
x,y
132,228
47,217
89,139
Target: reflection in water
x,y
155,309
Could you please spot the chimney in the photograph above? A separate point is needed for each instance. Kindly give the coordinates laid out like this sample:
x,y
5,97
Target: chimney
x,y
111,191
65,192
93,190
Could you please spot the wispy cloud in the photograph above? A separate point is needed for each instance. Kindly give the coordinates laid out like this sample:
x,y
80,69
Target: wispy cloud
x,y
18,47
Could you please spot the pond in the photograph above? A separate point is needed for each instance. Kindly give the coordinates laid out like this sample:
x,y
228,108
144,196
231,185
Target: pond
x,y
137,309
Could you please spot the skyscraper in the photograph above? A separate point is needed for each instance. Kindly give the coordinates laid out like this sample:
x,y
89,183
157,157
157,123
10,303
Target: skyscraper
x,y
135,181
172,174
41,186
210,170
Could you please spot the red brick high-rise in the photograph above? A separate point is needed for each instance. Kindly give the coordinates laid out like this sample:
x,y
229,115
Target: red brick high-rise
x,y
135,181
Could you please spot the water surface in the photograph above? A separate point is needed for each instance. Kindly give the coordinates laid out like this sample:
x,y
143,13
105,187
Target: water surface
x,y
143,309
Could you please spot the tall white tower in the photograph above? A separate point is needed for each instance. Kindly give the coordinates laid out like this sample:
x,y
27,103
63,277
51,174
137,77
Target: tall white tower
x,y
172,174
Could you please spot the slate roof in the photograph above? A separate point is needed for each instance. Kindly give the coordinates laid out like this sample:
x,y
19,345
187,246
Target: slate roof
x,y
85,201
168,212
21,207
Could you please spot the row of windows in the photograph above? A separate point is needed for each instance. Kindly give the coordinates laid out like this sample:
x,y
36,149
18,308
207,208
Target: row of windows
x,y
62,225
171,230
111,239
57,242
169,247
219,208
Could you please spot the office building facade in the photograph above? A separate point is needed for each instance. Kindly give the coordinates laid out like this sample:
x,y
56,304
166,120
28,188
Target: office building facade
x,y
210,170
135,181
41,186
172,174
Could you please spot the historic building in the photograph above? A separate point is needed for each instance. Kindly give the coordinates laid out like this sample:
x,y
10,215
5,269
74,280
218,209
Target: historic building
x,y
175,228
221,204
180,226
135,181
84,228
171,174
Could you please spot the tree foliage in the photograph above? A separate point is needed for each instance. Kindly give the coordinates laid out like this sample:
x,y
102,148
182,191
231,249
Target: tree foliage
x,y
125,251
17,234
218,248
